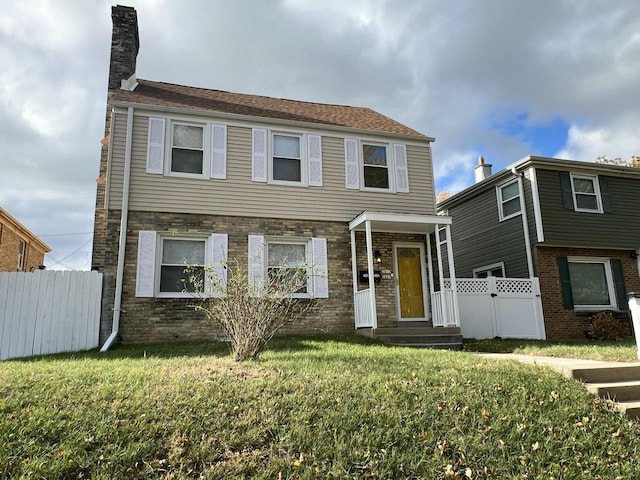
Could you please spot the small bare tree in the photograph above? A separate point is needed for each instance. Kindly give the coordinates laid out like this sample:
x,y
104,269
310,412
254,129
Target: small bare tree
x,y
252,312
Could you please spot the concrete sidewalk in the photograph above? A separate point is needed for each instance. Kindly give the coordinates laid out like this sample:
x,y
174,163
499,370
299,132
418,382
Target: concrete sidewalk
x,y
617,381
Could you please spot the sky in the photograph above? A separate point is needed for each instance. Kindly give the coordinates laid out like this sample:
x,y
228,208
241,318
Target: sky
x,y
502,79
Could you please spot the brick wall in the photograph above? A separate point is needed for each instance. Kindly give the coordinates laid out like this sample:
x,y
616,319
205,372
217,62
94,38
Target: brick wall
x,y
561,323
161,319
9,248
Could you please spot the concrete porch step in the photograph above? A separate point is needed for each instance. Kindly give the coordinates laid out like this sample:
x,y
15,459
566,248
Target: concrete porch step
x,y
607,373
411,330
630,409
617,391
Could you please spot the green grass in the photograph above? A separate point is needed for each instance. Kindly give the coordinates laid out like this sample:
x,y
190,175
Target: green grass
x,y
326,407
611,351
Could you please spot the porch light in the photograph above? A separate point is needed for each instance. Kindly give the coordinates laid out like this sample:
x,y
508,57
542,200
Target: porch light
x,y
377,257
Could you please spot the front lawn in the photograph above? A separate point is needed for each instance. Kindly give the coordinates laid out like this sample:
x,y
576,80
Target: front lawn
x,y
610,351
324,407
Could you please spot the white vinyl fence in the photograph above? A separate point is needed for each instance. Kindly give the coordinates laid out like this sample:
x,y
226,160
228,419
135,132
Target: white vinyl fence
x,y
48,312
500,307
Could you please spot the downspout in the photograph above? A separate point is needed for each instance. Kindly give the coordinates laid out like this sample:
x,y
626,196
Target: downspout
x,y
117,302
525,221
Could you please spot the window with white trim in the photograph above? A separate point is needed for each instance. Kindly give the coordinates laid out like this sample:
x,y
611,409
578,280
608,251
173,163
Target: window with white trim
x,y
173,265
509,200
586,193
592,283
375,166
287,159
182,262
287,262
187,148
301,259
493,270
22,247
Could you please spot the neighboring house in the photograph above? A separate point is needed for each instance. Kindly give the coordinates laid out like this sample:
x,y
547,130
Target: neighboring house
x,y
20,250
209,175
574,225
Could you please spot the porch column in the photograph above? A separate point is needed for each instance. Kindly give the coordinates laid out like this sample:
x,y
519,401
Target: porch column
x,y
452,274
445,310
372,288
430,267
354,274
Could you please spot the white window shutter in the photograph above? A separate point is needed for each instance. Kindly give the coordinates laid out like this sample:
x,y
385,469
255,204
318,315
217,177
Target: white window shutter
x,y
155,145
320,270
314,143
146,270
352,170
219,151
256,262
402,172
259,150
218,245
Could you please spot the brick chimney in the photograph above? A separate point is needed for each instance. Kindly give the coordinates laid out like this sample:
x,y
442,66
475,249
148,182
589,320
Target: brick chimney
x,y
125,43
482,170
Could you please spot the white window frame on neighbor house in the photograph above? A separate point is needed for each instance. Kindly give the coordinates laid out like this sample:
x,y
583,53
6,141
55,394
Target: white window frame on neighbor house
x,y
489,270
150,262
502,201
608,278
22,250
596,192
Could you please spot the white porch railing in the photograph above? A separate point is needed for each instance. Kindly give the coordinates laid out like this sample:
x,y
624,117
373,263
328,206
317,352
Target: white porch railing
x,y
362,306
443,309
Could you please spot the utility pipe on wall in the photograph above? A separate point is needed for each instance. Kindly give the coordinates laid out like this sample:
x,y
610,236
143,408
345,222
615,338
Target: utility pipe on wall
x,y
117,302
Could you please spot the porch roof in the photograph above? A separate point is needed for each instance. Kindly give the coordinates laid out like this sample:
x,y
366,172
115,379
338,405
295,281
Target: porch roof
x,y
398,222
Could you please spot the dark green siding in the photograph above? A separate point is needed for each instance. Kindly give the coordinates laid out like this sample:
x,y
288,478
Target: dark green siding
x,y
480,239
619,228
531,215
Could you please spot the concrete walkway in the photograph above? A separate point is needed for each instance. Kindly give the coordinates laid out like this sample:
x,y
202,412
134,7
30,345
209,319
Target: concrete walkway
x,y
618,381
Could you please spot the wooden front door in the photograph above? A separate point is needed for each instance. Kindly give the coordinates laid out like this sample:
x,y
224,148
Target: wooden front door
x,y
411,282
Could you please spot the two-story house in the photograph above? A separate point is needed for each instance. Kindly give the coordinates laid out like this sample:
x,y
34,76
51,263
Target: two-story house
x,y
204,176
574,225
20,249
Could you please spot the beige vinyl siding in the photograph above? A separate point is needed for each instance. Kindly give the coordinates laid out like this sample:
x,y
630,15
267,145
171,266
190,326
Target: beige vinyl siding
x,y
239,196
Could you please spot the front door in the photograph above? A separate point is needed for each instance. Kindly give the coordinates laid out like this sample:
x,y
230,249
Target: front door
x,y
411,282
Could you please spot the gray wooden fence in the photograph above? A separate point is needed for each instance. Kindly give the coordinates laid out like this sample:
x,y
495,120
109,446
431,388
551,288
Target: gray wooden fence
x,y
48,312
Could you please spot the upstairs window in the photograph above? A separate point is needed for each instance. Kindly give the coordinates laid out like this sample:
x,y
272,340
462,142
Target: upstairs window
x,y
287,160
509,200
586,194
22,247
187,149
376,166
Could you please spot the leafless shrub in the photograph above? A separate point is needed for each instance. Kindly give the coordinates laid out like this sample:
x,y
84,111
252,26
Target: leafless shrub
x,y
605,326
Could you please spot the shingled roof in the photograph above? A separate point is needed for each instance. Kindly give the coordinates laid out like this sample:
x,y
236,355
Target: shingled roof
x,y
178,96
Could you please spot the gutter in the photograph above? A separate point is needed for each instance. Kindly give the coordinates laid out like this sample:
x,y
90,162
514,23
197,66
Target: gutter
x,y
117,303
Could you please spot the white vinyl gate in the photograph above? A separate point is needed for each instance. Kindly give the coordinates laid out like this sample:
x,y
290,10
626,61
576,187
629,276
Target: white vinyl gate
x,y
500,307
48,312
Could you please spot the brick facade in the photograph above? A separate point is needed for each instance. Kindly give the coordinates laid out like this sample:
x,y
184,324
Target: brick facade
x,y
10,237
561,323
166,319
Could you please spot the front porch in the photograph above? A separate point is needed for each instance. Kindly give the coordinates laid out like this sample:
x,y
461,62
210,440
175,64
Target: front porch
x,y
396,285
